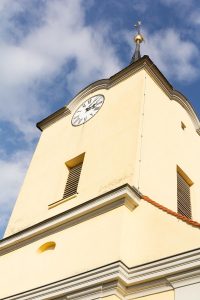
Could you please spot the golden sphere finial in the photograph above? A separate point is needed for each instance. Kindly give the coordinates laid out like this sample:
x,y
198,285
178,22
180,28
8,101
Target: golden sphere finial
x,y
138,38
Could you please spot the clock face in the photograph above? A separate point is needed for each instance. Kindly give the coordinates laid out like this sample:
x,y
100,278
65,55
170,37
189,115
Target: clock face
x,y
87,110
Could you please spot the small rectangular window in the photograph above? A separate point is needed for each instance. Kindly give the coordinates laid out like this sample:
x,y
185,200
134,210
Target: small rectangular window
x,y
73,172
72,181
183,194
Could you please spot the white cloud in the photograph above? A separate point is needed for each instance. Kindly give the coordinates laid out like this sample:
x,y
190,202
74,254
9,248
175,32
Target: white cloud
x,y
173,56
194,17
40,54
141,6
179,2
12,174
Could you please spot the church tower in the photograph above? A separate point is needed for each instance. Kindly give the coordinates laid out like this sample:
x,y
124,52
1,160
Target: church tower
x,y
109,208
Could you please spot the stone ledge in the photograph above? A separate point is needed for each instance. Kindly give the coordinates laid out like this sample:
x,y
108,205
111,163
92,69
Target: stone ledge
x,y
123,195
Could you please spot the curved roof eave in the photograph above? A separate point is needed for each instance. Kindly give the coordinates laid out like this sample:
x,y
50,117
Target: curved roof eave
x,y
144,63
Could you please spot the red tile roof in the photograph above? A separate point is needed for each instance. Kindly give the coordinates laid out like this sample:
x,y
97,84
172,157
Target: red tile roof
x,y
171,212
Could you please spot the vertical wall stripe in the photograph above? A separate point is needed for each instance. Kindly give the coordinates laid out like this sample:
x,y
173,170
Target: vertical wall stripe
x,y
142,132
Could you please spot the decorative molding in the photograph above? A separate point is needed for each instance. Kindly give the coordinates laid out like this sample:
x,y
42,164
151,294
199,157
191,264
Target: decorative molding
x,y
183,279
106,83
98,292
59,114
182,100
127,283
144,63
123,195
173,94
148,288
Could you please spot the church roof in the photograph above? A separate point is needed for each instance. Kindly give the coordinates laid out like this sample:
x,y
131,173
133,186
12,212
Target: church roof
x,y
143,63
171,212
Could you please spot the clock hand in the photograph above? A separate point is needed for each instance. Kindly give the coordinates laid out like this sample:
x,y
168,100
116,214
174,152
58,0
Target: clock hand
x,y
90,107
93,105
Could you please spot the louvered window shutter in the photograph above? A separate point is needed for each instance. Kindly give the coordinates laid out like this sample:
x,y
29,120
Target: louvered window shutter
x,y
183,197
72,181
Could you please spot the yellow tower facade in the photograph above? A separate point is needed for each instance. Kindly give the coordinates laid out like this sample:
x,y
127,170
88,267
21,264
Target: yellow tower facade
x,y
108,204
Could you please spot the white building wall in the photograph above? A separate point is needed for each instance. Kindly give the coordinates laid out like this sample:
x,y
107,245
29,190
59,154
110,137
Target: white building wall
x,y
189,292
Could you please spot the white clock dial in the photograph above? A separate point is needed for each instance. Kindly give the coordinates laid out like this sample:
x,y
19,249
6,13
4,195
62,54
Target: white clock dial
x,y
87,110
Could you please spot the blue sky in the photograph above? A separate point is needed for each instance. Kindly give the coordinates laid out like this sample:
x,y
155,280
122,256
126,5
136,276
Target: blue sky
x,y
50,49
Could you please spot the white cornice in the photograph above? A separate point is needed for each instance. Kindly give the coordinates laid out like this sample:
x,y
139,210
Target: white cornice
x,y
183,279
127,283
124,195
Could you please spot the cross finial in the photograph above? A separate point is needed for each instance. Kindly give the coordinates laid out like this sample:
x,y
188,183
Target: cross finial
x,y
138,26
